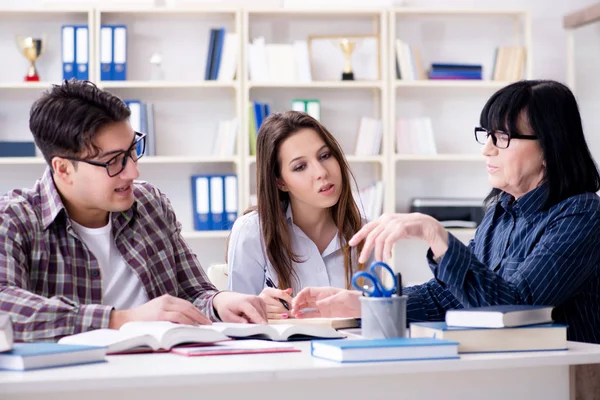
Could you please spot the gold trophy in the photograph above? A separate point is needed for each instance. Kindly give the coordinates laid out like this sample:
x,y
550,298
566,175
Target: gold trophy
x,y
347,48
31,48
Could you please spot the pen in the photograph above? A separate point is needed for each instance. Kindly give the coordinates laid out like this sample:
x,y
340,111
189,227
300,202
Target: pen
x,y
272,285
398,284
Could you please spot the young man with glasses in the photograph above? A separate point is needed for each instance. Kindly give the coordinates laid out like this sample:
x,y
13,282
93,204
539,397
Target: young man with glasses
x,y
89,247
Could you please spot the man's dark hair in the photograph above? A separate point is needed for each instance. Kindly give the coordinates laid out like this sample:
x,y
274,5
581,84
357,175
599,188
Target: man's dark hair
x,y
552,112
67,117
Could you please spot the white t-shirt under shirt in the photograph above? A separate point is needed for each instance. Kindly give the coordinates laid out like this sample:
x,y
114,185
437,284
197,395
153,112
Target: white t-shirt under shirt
x,y
121,287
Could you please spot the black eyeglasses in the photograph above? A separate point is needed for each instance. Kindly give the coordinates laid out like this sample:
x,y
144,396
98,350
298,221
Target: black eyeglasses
x,y
500,139
118,162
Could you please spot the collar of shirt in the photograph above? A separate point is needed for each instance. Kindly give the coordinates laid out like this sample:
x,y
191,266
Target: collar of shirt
x,y
527,205
332,247
52,205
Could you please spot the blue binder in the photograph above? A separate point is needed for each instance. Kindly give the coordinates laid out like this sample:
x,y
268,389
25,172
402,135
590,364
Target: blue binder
x,y
68,51
82,52
217,202
119,52
230,199
106,53
201,202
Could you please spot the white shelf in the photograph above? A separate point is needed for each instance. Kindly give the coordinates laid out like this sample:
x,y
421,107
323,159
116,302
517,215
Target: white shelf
x,y
411,12
165,84
350,158
186,160
184,11
27,85
462,232
319,85
189,235
451,83
22,161
366,12
439,157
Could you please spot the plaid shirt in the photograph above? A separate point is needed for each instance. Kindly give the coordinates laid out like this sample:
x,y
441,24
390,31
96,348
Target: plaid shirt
x,y
51,284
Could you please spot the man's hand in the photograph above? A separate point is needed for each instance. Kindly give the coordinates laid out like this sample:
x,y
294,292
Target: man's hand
x,y
238,307
326,302
275,309
163,308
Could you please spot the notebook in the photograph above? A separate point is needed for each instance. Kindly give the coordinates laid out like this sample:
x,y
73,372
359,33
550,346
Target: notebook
x,y
26,356
478,340
236,347
399,349
278,332
499,316
145,336
335,323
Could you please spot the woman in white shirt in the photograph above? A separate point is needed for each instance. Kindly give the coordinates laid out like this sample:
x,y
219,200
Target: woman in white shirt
x,y
297,236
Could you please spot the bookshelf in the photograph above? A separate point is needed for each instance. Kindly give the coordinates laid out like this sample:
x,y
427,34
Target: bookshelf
x,y
187,107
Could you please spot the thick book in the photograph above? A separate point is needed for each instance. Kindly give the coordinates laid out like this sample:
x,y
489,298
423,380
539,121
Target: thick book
x,y
6,332
542,337
500,316
146,336
278,332
234,347
335,323
399,349
26,356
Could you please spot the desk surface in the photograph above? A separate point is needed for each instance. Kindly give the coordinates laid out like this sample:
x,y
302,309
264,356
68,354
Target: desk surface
x,y
164,370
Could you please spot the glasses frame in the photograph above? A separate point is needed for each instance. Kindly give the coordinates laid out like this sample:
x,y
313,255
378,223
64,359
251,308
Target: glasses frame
x,y
495,139
139,137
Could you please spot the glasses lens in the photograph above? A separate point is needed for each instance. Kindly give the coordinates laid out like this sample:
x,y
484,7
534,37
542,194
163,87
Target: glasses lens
x,y
115,165
139,148
502,139
481,136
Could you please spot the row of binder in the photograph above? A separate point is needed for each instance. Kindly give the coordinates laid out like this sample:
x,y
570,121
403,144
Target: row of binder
x,y
75,51
215,202
113,52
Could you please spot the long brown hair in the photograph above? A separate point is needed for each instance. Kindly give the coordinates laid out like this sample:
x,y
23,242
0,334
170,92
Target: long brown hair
x,y
273,202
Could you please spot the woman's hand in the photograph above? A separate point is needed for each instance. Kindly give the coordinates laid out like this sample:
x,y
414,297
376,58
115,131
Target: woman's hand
x,y
275,309
386,230
326,302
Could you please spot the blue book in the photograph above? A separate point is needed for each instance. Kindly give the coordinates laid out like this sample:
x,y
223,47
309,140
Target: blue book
x,y
218,51
210,54
26,356
499,316
399,349
542,337
456,66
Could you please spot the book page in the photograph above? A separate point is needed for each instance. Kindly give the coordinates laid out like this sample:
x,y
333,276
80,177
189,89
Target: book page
x,y
287,332
115,340
169,334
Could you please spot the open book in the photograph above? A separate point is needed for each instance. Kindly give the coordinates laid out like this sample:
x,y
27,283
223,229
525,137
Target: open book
x,y
146,336
279,332
335,323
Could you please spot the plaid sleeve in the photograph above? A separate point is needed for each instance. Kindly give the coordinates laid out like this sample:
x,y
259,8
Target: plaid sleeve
x,y
37,318
191,277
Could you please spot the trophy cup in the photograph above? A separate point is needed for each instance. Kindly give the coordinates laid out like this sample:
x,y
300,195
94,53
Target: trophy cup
x,y
347,48
31,48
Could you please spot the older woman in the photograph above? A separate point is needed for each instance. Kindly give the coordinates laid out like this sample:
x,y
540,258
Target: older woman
x,y
539,242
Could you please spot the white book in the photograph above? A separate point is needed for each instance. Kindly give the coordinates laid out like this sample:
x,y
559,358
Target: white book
x,y
231,137
145,335
229,58
258,64
499,316
221,138
302,61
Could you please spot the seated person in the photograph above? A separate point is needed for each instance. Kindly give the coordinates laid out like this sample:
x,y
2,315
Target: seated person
x,y
89,247
539,241
306,214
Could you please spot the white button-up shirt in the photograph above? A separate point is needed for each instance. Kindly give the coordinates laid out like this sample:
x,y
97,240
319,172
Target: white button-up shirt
x,y
249,265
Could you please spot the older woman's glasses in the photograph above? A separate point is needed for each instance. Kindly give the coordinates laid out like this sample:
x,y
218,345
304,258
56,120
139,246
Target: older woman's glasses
x,y
117,164
500,139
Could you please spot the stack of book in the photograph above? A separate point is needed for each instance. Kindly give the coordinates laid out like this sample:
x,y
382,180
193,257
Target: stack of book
x,y
221,60
279,63
509,63
497,329
455,71
368,141
257,113
415,136
370,201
